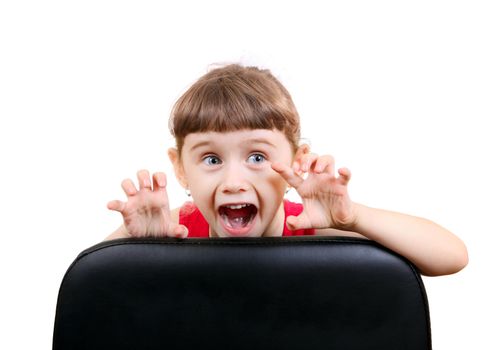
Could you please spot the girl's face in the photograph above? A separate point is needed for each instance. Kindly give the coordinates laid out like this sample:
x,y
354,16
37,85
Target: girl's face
x,y
231,180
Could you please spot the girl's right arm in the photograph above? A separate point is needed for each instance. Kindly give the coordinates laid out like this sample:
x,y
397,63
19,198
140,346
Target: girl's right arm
x,y
146,212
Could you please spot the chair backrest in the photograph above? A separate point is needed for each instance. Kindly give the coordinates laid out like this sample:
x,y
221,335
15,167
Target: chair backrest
x,y
266,293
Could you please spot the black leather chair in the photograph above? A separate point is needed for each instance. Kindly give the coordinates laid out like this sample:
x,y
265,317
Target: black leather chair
x,y
266,293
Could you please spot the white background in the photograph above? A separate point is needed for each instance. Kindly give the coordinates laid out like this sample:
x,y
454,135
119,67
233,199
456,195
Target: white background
x,y
396,91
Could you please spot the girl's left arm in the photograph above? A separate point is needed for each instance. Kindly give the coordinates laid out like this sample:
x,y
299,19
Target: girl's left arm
x,y
328,209
433,249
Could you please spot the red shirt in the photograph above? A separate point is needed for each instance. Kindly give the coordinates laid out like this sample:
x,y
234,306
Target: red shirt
x,y
197,226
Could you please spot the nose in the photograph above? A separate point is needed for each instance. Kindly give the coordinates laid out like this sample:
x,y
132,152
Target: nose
x,y
234,180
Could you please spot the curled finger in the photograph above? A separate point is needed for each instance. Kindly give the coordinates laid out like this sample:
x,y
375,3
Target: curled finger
x,y
287,173
144,179
324,164
306,161
159,181
129,187
344,175
302,150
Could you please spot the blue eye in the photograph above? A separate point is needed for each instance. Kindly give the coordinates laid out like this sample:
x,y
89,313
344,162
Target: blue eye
x,y
212,160
256,158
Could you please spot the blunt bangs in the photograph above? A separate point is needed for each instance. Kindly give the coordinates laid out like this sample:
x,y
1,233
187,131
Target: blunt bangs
x,y
235,98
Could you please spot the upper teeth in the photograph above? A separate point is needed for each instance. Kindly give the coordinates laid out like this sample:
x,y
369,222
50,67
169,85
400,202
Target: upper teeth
x,y
237,206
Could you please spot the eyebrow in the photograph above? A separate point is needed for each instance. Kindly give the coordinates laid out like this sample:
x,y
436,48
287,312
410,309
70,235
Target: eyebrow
x,y
249,141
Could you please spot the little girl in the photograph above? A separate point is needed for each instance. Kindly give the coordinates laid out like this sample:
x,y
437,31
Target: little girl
x,y
237,151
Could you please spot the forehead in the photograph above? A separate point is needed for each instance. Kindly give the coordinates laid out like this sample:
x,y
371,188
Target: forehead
x,y
268,138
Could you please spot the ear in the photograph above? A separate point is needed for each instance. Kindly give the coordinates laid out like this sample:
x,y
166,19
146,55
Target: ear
x,y
178,167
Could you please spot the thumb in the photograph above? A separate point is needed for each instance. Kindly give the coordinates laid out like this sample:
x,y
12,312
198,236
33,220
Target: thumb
x,y
181,231
298,222
178,231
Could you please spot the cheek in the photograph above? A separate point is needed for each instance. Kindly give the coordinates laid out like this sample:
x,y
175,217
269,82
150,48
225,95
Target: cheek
x,y
271,194
273,182
202,186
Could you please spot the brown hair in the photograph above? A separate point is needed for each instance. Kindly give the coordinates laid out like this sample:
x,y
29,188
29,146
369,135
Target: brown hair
x,y
233,98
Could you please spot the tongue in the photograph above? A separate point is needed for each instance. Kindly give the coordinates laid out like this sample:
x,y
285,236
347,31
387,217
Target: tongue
x,y
237,217
235,213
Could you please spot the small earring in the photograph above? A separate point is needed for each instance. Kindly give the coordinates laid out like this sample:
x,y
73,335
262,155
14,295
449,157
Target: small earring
x,y
187,191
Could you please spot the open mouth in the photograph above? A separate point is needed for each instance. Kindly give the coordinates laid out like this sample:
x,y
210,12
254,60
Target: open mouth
x,y
237,218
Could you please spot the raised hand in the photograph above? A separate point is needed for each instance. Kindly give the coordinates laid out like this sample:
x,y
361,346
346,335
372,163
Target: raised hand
x,y
146,212
326,202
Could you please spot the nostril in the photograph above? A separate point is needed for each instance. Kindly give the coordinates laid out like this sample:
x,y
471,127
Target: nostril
x,y
235,186
234,189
